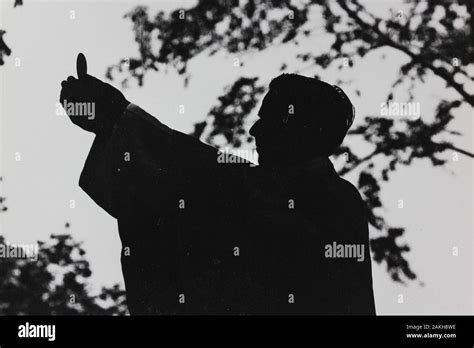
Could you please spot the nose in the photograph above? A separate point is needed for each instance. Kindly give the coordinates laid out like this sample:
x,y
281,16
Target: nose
x,y
255,129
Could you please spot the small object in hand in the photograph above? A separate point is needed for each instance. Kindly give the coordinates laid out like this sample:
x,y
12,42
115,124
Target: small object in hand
x,y
81,66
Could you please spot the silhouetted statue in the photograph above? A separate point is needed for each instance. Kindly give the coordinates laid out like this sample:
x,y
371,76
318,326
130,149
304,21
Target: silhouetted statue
x,y
204,237
308,220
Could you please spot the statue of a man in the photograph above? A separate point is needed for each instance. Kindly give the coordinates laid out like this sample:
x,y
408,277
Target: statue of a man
x,y
204,237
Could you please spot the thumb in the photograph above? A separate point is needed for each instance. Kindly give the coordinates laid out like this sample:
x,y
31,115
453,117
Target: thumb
x,y
81,66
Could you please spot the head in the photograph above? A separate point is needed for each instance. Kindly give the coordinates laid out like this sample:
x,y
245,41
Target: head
x,y
301,118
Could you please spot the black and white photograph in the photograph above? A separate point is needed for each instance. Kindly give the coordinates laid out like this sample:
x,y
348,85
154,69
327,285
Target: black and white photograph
x,y
252,166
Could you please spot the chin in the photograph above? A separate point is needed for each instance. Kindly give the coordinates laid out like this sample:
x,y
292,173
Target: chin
x,y
264,160
261,160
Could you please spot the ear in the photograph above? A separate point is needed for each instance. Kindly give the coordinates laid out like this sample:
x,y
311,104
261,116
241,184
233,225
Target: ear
x,y
81,66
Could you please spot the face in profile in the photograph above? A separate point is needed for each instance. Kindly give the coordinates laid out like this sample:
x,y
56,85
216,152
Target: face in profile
x,y
280,141
300,119
270,135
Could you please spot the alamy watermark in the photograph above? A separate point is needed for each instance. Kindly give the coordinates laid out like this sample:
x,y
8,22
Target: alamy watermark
x,y
406,109
28,330
346,251
19,251
237,156
83,109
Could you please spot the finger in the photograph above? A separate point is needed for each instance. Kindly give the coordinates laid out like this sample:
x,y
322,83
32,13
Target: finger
x,y
72,79
73,84
65,94
65,88
81,66
77,88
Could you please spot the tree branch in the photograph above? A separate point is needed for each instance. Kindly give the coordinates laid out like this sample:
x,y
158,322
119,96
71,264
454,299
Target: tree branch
x,y
464,152
385,39
358,162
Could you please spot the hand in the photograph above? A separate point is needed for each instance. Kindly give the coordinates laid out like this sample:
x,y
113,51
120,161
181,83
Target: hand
x,y
90,103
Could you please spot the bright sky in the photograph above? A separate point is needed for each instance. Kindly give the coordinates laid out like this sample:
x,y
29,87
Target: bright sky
x,y
437,201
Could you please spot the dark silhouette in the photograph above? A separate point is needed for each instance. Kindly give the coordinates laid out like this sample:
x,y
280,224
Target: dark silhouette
x,y
38,288
301,203
204,237
355,31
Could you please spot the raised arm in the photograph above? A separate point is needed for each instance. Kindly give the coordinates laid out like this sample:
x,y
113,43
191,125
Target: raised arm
x,y
135,160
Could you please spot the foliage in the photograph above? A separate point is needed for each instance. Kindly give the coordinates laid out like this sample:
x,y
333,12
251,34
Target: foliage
x,y
433,35
4,49
54,284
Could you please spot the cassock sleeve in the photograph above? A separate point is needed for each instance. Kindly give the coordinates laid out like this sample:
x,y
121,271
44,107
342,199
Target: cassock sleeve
x,y
144,174
143,164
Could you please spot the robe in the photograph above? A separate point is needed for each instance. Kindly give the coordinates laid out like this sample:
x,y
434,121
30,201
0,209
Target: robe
x,y
203,237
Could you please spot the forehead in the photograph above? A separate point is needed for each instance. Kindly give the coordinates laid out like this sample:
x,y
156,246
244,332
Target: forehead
x,y
271,102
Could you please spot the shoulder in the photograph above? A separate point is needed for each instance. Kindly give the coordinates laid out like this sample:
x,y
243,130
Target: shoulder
x,y
350,195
